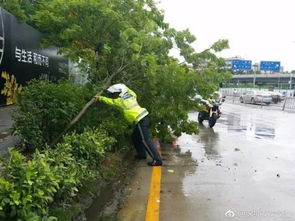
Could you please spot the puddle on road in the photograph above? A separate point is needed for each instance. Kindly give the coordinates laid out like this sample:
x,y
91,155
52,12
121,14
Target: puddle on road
x,y
261,132
233,122
179,164
209,139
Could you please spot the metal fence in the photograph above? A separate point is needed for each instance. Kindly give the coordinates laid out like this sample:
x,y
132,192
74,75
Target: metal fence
x,y
287,104
239,91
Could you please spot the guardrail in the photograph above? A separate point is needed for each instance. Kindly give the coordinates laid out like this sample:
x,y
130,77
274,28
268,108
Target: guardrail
x,y
287,104
239,91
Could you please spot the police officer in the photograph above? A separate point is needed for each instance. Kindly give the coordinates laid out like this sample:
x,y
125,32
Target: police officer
x,y
125,99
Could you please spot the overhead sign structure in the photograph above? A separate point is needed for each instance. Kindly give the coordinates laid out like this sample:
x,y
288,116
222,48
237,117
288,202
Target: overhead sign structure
x,y
241,65
22,58
274,66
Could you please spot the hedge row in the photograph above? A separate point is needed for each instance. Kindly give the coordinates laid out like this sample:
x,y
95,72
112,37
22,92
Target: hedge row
x,y
28,187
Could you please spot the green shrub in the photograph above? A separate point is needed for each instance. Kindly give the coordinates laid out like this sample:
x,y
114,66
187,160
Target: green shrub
x,y
68,171
28,188
89,147
44,109
9,199
76,160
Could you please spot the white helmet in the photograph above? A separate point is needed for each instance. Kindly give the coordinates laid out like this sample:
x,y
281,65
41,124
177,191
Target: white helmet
x,y
118,88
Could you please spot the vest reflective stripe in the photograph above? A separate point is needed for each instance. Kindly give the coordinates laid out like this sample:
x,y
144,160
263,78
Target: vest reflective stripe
x,y
133,112
143,113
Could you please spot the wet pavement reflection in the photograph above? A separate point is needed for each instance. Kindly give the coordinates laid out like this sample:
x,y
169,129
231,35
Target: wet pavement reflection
x,y
242,169
252,128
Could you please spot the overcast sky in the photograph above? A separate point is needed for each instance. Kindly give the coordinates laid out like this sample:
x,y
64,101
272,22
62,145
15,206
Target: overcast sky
x,y
256,29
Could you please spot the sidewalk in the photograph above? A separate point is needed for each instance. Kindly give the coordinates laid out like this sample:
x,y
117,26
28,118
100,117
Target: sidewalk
x,y
6,139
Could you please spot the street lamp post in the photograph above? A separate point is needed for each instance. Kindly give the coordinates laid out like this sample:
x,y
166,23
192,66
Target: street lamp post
x,y
254,77
292,93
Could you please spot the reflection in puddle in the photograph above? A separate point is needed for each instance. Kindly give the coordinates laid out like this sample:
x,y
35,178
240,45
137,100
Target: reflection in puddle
x,y
177,156
252,129
209,138
264,132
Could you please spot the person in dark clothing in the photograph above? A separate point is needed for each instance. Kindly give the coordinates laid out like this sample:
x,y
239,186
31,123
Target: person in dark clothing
x,y
125,100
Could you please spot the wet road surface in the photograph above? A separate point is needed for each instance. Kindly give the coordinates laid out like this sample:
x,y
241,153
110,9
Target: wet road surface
x,y
242,169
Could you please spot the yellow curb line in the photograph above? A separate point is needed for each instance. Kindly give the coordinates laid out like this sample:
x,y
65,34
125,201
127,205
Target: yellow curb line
x,y
153,206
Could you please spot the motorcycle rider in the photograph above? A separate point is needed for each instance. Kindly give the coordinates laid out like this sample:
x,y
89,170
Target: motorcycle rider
x,y
216,97
211,110
125,99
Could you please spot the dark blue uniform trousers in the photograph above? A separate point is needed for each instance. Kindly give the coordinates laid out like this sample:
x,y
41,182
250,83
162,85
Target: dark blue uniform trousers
x,y
142,140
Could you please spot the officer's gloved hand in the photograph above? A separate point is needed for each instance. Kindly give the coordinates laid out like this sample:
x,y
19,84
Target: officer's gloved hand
x,y
97,97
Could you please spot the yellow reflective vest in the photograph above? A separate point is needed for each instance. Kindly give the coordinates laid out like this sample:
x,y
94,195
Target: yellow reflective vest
x,y
128,104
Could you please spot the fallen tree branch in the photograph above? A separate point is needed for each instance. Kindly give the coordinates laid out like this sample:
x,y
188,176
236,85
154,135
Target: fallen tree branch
x,y
107,81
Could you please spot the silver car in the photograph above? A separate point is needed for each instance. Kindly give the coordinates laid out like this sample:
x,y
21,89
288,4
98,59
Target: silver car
x,y
256,97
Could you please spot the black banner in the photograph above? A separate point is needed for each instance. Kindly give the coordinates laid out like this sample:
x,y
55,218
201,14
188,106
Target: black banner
x,y
22,58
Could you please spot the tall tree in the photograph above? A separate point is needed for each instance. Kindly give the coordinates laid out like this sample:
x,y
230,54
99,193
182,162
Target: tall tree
x,y
130,38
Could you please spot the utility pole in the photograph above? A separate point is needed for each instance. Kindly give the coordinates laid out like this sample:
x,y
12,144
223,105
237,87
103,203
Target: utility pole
x,y
255,66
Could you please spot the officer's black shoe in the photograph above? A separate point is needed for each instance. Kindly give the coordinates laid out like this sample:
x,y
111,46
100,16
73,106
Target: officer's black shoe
x,y
155,163
138,157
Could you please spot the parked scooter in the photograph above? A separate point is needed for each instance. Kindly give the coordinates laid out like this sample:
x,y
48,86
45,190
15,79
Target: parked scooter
x,y
211,111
